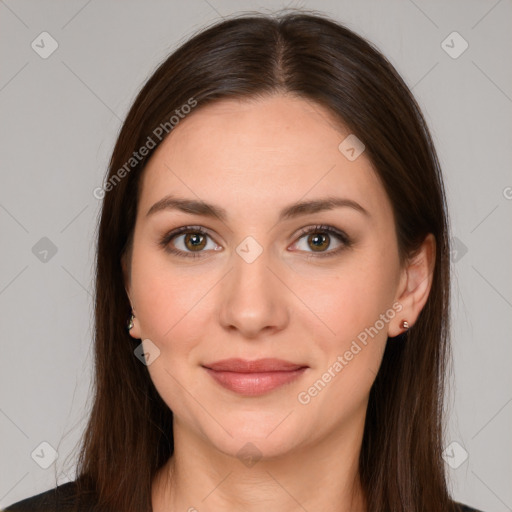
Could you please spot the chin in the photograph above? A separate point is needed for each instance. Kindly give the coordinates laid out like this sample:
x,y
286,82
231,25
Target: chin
x,y
255,435
252,449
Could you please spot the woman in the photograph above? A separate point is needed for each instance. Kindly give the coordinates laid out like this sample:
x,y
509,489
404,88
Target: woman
x,y
274,231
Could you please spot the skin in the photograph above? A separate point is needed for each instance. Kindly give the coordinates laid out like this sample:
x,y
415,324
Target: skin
x,y
253,158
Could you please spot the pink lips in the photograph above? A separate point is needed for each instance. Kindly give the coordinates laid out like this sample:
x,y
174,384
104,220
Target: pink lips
x,y
254,377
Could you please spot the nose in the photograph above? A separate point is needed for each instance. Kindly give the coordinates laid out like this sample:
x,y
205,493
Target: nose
x,y
254,301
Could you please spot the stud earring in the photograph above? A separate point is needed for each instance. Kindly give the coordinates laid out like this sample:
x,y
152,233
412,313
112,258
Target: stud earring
x,y
130,322
404,324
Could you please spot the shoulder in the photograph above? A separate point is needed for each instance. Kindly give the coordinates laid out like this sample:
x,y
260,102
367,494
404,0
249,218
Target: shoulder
x,y
466,508
62,497
59,499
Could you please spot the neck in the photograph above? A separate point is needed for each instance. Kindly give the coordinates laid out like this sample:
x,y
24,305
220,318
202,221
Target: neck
x,y
321,476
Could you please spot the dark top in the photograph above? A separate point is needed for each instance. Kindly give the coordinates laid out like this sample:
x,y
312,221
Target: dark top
x,y
60,499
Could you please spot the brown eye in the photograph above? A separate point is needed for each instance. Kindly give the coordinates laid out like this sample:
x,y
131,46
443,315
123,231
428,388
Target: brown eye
x,y
189,241
319,241
195,241
322,240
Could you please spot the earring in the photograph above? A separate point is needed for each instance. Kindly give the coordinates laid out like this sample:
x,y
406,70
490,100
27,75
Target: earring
x,y
404,324
130,322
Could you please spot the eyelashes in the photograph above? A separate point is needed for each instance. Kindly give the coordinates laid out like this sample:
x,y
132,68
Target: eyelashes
x,y
199,239
313,232
166,240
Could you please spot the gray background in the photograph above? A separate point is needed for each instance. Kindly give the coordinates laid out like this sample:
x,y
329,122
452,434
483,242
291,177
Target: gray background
x,y
60,117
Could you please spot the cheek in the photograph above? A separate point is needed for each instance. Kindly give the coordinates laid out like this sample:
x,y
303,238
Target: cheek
x,y
348,299
172,314
170,302
354,337
349,303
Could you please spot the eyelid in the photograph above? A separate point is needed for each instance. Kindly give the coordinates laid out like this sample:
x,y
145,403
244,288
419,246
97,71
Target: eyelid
x,y
324,228
345,240
169,236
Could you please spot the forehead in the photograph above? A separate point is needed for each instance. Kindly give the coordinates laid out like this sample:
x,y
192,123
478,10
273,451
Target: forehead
x,y
269,151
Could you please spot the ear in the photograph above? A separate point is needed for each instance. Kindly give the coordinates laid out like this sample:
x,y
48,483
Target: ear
x,y
415,284
135,330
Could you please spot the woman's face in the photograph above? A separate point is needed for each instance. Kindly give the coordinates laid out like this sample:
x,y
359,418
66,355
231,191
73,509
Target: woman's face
x,y
249,281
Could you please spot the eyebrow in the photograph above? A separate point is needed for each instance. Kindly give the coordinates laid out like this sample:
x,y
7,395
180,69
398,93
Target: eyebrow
x,y
198,207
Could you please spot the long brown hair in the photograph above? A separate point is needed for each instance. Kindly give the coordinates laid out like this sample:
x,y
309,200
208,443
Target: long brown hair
x,y
129,434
